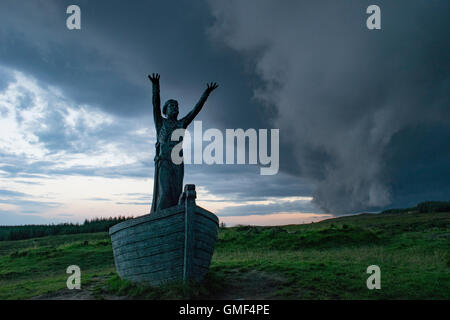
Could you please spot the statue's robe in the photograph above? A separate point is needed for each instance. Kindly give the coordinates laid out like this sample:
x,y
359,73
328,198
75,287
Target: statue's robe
x,y
168,181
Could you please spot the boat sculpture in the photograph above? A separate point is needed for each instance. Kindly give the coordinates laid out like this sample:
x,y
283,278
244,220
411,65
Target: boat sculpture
x,y
171,244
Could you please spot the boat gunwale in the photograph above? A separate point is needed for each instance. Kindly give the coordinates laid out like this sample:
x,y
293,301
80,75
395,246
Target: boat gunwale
x,y
161,215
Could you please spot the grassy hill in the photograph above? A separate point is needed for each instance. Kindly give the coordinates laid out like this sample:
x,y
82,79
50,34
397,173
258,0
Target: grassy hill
x,y
325,260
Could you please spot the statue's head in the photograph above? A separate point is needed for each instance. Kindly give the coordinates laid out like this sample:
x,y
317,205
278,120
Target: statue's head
x,y
170,109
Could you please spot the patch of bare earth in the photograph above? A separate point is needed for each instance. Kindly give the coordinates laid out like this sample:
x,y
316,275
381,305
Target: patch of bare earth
x,y
251,285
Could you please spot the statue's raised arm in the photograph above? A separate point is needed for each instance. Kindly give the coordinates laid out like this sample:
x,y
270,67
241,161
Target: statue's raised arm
x,y
154,78
210,87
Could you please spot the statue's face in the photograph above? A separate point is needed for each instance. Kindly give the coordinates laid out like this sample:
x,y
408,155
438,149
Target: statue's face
x,y
172,110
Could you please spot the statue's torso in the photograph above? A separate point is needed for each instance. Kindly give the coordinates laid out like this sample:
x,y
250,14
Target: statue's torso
x,y
164,137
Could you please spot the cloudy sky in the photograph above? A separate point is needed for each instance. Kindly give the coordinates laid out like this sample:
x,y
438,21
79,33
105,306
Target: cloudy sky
x,y
364,115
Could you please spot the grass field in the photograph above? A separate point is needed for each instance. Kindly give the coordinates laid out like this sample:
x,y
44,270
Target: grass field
x,y
325,260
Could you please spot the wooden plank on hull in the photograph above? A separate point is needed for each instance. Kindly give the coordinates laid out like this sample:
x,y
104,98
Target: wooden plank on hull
x,y
166,243
154,262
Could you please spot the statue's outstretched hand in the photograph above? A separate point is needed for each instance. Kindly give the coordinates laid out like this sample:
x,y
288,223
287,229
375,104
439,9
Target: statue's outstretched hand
x,y
154,78
210,87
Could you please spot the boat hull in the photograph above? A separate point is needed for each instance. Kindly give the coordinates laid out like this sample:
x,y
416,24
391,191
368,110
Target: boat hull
x,y
176,243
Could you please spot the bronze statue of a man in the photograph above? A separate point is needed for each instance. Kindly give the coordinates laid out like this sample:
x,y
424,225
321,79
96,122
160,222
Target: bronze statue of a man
x,y
168,182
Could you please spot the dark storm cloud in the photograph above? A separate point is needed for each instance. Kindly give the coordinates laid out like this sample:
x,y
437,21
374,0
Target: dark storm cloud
x,y
344,94
242,182
425,177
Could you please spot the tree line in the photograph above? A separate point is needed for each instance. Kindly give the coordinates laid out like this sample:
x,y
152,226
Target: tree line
x,y
34,231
